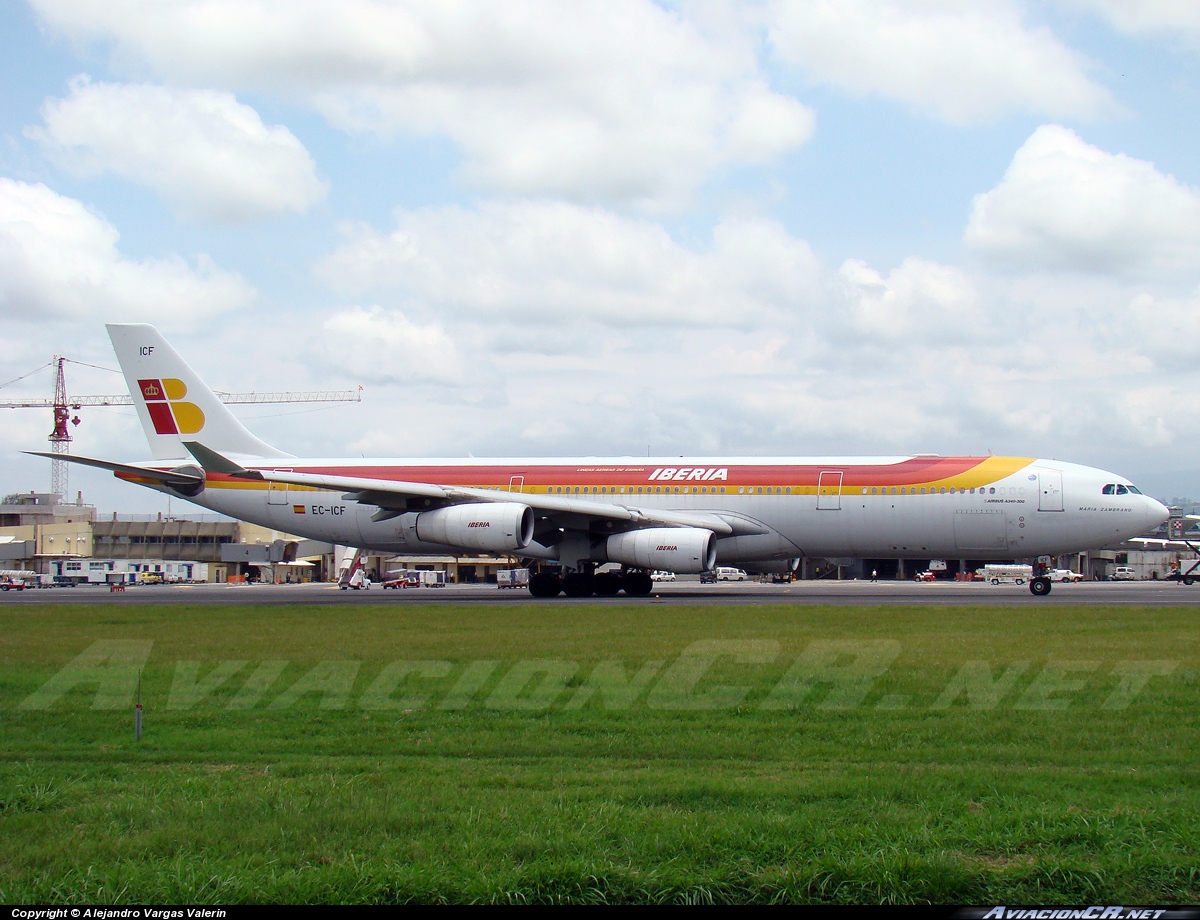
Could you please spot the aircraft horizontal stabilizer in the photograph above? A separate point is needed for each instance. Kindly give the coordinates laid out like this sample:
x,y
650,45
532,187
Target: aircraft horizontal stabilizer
x,y
174,477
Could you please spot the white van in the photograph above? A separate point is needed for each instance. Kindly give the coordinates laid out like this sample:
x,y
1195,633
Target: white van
x,y
1123,573
725,573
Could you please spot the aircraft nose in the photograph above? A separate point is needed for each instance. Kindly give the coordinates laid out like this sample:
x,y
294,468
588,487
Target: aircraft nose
x,y
1154,514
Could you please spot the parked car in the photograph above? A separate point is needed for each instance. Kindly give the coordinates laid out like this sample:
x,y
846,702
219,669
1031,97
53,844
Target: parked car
x,y
1065,575
708,578
1123,573
925,576
662,576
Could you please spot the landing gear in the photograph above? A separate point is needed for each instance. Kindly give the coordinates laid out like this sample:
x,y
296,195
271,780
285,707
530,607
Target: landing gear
x,y
638,584
543,584
607,584
1039,586
579,584
585,584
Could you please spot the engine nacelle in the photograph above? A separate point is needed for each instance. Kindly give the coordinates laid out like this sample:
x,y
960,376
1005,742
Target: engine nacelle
x,y
496,527
683,550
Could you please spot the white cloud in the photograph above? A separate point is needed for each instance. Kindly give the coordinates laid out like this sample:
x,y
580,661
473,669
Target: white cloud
x,y
623,338
748,343
961,62
593,100
918,297
551,262
204,151
1172,17
1166,329
1064,204
384,346
58,260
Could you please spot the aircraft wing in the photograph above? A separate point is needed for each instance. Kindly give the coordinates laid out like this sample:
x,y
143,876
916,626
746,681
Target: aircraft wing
x,y
394,497
1164,542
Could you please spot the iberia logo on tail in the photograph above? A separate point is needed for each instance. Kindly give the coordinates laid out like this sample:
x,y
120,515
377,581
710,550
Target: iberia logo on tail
x,y
168,414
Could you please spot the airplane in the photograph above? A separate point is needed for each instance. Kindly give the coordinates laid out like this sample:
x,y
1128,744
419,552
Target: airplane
x,y
570,516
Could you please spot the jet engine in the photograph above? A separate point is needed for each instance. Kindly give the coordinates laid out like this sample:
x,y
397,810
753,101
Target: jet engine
x,y
497,527
684,550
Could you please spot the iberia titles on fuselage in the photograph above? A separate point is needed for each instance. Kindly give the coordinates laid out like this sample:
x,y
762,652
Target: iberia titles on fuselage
x,y
675,514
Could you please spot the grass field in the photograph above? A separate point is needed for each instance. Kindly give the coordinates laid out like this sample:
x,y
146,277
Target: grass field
x,y
640,753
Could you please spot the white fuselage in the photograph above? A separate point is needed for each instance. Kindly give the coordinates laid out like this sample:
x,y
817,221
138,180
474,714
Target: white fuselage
x,y
896,507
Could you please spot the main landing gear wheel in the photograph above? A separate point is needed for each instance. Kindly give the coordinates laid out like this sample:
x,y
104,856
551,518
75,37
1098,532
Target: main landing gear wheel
x,y
545,585
579,584
608,584
1040,586
638,584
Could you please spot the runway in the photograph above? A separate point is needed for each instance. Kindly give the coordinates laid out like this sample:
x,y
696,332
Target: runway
x,y
843,593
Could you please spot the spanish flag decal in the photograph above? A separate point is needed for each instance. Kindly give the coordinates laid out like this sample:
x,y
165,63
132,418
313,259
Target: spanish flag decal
x,y
297,509
168,413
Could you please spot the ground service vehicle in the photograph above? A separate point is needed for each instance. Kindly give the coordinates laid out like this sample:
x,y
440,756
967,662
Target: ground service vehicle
x,y
512,578
1123,573
1189,571
401,581
727,573
1013,573
684,515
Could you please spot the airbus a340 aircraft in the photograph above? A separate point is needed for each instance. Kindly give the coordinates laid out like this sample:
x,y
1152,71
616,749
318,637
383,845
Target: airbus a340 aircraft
x,y
682,515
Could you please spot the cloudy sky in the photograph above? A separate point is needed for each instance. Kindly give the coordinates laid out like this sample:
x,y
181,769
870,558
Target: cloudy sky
x,y
772,227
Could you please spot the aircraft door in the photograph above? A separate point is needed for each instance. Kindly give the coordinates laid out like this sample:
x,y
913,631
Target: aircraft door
x,y
277,492
829,490
1050,490
516,483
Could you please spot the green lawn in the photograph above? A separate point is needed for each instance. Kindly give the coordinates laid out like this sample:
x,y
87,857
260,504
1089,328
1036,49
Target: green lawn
x,y
637,753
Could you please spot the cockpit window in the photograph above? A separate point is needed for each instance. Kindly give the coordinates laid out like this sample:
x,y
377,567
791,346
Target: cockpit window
x,y
1116,488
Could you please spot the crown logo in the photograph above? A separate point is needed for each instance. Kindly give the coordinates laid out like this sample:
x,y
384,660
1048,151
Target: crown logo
x,y
151,390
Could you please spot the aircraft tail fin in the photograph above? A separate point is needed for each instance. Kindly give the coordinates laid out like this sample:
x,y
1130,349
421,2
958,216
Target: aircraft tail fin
x,y
172,401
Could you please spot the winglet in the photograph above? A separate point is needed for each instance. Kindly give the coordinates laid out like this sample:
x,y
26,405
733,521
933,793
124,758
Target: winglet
x,y
212,462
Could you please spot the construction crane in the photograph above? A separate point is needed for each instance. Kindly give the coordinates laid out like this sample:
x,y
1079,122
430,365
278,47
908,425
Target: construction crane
x,y
60,436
